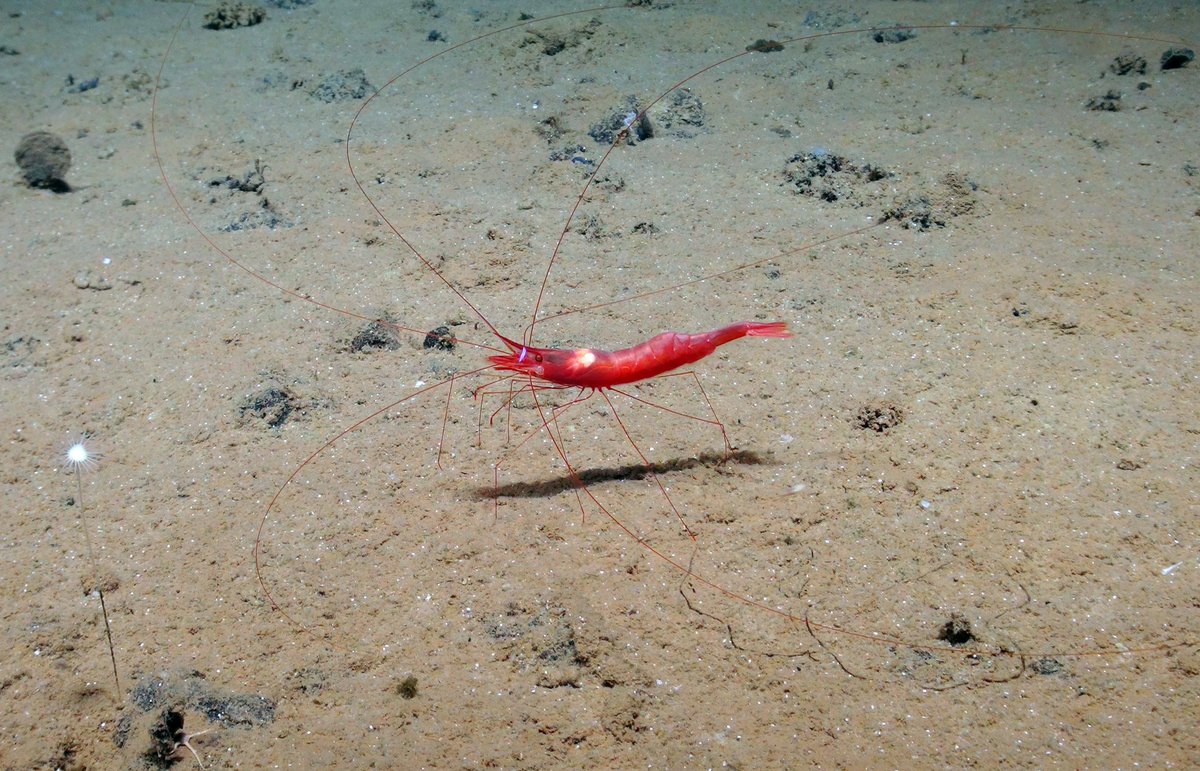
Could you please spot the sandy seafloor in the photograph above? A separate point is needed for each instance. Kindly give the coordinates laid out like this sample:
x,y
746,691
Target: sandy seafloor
x,y
1032,354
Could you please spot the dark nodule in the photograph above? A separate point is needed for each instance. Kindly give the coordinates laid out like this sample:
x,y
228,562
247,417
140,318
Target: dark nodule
x,y
44,160
956,631
440,338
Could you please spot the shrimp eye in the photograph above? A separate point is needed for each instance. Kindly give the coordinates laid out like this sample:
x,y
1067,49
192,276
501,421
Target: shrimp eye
x,y
537,357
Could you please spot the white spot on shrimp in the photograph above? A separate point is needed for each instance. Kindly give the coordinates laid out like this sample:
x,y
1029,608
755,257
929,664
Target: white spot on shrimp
x,y
585,357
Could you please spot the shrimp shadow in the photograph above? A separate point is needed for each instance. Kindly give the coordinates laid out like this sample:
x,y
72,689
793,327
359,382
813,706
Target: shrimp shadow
x,y
549,488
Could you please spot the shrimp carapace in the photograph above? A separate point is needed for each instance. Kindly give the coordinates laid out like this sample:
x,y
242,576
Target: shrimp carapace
x,y
591,368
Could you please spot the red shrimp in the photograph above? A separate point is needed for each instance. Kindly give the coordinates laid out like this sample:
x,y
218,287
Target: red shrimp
x,y
596,369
